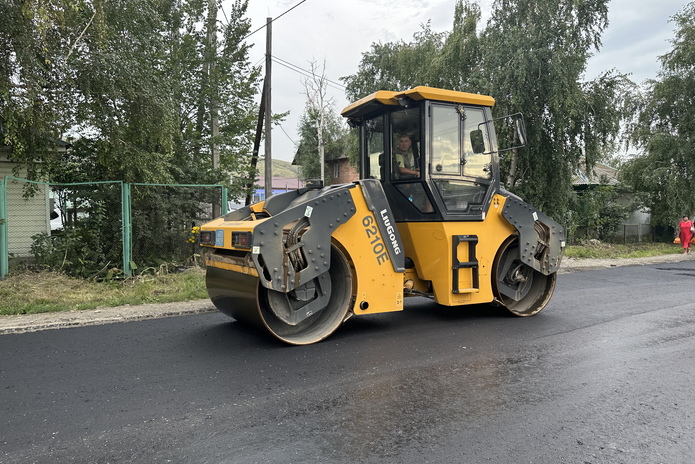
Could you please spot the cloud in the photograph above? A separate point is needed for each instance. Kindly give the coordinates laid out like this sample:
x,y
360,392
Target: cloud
x,y
638,33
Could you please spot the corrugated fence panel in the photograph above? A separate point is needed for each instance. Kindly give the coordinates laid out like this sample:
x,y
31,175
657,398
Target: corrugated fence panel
x,y
26,217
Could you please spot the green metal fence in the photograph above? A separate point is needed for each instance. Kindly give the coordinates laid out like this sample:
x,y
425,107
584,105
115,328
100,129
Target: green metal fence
x,y
102,229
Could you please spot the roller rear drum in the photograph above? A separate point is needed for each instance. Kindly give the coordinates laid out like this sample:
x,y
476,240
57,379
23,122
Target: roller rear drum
x,y
521,289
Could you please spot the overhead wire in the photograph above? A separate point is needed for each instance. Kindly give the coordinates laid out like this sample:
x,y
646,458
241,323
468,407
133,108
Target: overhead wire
x,y
223,12
273,20
290,66
293,67
287,135
307,73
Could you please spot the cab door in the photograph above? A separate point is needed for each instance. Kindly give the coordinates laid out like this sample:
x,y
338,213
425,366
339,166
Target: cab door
x,y
463,163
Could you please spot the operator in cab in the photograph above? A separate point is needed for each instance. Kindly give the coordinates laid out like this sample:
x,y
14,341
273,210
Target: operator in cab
x,y
406,164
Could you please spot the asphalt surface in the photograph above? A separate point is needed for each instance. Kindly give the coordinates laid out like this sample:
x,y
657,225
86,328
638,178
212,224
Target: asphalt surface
x,y
604,374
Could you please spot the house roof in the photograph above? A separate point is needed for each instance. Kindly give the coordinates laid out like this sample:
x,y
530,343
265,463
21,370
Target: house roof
x,y
600,174
282,183
328,156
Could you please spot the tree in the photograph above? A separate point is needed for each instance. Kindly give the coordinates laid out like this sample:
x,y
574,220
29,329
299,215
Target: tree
x,y
598,213
337,141
531,57
321,131
319,106
214,81
534,56
665,130
459,64
35,102
146,90
140,80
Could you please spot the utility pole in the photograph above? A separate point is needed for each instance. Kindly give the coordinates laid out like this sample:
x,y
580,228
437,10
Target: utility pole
x,y
268,113
214,95
256,145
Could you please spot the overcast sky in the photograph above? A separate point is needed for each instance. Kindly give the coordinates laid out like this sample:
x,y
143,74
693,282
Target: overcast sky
x,y
339,31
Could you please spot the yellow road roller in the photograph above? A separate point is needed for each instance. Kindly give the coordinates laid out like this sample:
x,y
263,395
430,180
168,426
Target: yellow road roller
x,y
428,217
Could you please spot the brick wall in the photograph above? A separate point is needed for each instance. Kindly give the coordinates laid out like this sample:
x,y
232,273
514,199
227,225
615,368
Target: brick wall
x,y
346,173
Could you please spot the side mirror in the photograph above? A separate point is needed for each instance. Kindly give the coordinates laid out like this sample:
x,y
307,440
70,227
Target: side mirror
x,y
520,129
511,132
477,141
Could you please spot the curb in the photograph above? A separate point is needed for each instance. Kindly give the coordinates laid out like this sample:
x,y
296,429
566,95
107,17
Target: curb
x,y
23,323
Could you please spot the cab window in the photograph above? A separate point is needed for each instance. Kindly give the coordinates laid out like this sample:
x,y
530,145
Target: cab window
x,y
374,164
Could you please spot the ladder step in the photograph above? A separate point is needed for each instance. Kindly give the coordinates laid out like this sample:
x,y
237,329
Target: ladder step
x,y
467,290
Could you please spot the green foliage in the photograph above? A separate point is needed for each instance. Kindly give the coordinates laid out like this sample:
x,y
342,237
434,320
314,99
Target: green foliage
x,y
336,141
535,53
161,235
146,91
598,214
89,244
396,66
665,129
448,60
76,251
136,84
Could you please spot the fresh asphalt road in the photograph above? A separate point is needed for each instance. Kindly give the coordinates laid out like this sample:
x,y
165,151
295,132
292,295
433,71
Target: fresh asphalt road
x,y
605,374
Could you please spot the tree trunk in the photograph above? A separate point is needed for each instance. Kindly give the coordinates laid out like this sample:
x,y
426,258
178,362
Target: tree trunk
x,y
511,177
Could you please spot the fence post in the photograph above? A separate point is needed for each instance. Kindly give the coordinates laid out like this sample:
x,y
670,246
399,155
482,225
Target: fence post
x,y
225,203
4,246
126,229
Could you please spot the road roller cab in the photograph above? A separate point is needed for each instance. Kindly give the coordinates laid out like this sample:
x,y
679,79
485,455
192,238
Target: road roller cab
x,y
428,218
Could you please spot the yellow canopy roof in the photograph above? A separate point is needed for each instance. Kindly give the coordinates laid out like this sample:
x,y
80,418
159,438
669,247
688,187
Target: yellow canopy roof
x,y
372,102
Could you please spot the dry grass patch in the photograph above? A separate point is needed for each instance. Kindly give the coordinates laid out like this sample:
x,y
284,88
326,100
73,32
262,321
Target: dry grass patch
x,y
39,292
596,249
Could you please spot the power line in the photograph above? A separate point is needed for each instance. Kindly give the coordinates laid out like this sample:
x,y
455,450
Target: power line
x,y
224,12
288,135
306,72
273,20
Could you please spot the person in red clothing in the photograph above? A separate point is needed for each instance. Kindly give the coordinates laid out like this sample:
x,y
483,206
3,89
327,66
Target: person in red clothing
x,y
686,233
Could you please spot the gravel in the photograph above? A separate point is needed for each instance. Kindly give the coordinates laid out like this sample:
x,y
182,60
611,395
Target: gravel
x,y
35,322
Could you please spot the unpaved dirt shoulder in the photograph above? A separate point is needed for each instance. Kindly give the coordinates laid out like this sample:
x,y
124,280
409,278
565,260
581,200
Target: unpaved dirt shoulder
x,y
35,322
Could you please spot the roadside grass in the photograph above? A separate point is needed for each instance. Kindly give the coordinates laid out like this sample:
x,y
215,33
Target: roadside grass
x,y
40,292
28,292
630,250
